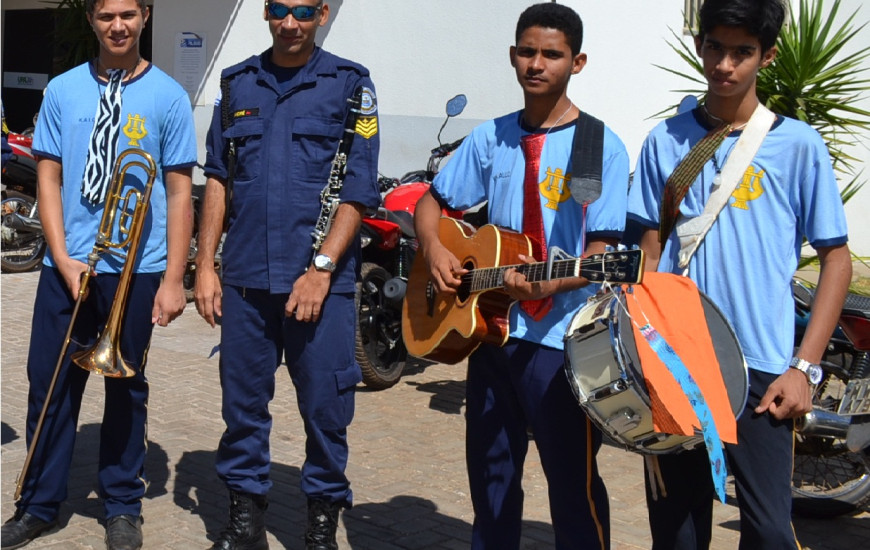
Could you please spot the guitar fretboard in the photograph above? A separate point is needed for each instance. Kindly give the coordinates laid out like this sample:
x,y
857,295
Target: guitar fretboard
x,y
488,278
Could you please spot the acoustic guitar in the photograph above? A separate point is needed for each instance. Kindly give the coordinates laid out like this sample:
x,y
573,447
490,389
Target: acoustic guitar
x,y
448,327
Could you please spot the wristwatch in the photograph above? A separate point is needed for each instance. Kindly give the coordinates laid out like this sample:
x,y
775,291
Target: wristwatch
x,y
322,262
812,372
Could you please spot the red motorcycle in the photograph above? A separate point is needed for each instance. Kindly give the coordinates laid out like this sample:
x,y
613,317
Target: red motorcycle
x,y
23,242
388,246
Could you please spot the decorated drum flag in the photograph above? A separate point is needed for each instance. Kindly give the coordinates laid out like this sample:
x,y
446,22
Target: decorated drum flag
x,y
680,367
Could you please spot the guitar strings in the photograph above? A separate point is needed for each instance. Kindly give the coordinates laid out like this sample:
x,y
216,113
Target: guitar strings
x,y
587,265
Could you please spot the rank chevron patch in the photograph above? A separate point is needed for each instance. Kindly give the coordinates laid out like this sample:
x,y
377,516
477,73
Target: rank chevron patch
x,y
367,126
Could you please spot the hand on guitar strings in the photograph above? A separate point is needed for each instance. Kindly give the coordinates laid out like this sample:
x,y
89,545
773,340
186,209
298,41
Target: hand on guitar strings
x,y
445,271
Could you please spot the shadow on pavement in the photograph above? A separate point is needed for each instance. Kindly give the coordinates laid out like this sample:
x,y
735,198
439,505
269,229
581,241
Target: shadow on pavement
x,y
199,491
83,486
408,522
448,396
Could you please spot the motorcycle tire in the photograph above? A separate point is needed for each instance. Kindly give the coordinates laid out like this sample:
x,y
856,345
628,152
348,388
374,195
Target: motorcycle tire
x,y
835,484
380,350
21,252
828,479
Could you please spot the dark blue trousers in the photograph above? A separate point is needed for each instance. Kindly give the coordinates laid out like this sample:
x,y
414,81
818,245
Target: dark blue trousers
x,y
762,466
512,390
320,357
123,430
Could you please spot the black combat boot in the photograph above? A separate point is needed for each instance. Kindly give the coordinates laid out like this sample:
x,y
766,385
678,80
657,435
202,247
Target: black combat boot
x,y
246,528
322,524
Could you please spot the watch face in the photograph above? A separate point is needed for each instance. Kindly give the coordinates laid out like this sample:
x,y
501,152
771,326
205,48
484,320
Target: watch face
x,y
815,373
321,261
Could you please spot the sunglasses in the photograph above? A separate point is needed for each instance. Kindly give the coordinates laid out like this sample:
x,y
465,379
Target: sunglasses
x,y
300,13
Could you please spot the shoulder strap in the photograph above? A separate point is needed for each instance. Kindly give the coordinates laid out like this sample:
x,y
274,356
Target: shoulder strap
x,y
683,176
587,154
693,230
226,122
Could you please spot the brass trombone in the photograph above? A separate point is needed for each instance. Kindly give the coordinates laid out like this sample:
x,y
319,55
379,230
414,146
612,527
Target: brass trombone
x,y
105,356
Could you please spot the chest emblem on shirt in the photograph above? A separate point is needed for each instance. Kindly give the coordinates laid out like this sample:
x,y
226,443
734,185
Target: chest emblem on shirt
x,y
135,129
749,189
554,188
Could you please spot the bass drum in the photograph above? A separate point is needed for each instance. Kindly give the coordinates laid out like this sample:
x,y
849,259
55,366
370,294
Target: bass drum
x,y
607,376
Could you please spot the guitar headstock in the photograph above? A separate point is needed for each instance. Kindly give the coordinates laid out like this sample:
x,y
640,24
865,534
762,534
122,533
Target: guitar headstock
x,y
619,266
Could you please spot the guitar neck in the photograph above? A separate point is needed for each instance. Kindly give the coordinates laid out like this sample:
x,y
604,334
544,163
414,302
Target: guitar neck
x,y
490,278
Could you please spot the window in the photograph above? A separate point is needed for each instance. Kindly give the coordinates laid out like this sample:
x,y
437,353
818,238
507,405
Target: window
x,y
690,15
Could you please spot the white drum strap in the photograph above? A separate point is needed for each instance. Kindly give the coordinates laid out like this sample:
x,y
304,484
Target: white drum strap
x,y
691,231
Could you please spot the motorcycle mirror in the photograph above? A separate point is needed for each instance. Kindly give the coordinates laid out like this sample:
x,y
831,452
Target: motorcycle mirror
x,y
687,104
456,105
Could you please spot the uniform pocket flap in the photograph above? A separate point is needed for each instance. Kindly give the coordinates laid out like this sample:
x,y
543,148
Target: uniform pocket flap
x,y
348,377
248,126
317,127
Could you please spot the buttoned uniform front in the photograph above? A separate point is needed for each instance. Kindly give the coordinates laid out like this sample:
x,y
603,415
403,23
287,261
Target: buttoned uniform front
x,y
287,133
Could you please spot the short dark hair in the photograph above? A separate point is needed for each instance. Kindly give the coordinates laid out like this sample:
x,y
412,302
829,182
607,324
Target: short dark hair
x,y
760,18
553,16
91,6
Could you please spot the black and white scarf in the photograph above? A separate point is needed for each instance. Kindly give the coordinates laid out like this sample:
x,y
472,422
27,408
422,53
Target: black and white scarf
x,y
103,146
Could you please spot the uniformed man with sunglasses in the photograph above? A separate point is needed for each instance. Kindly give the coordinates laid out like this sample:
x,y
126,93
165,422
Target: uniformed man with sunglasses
x,y
283,112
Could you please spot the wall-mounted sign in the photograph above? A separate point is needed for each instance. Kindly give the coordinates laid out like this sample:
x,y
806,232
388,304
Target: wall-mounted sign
x,y
190,61
27,81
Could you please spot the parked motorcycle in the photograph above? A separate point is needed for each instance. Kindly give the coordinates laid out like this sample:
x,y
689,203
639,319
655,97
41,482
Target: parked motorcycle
x,y
832,442
388,246
23,242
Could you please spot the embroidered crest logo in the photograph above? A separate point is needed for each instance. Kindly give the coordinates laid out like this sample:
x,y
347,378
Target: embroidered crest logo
x,y
135,129
749,189
553,188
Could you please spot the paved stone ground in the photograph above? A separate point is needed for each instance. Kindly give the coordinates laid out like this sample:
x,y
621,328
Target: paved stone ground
x,y
406,463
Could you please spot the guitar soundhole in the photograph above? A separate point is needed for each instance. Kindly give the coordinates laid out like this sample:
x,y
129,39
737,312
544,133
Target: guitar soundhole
x,y
464,290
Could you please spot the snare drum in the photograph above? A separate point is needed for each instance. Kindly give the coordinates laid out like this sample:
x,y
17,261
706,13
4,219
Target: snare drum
x,y
607,378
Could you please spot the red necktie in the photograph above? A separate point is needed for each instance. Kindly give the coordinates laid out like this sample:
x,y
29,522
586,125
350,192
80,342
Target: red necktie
x,y
533,220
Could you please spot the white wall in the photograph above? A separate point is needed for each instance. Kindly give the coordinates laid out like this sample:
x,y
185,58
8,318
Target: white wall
x,y
421,53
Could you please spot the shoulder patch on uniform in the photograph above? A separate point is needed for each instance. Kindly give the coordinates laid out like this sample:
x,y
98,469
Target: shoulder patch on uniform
x,y
367,126
242,113
369,103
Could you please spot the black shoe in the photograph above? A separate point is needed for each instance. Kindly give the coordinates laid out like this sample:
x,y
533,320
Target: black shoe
x,y
124,532
22,529
246,528
322,524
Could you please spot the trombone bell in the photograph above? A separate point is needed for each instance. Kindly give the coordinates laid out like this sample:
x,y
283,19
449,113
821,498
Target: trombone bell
x,y
104,358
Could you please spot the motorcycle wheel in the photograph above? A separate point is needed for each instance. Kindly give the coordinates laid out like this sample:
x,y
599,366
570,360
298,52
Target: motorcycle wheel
x,y
828,479
380,351
21,251
189,278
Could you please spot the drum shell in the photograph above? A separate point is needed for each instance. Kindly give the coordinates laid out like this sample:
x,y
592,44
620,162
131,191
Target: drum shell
x,y
604,372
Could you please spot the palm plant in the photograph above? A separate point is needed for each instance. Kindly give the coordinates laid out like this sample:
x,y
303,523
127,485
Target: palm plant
x,y
814,79
74,39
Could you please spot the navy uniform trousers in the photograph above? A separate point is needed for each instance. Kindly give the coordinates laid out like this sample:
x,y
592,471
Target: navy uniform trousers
x,y
512,390
123,429
320,356
761,463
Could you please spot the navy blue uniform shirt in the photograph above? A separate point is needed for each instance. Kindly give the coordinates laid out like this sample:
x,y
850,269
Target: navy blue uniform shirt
x,y
287,134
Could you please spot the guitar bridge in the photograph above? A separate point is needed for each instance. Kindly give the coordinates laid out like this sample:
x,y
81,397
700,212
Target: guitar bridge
x,y
430,299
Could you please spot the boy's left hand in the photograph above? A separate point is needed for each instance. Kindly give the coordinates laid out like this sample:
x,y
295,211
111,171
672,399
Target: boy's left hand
x,y
519,288
788,396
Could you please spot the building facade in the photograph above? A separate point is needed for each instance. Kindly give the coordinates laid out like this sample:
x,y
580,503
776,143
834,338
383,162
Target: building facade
x,y
421,54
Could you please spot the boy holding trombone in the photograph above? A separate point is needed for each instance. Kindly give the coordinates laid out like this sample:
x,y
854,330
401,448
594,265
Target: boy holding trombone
x,y
138,108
